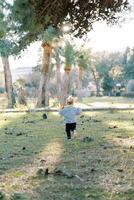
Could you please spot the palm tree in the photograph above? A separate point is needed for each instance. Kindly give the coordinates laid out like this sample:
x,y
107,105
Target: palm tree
x,y
66,81
96,79
56,55
83,61
49,38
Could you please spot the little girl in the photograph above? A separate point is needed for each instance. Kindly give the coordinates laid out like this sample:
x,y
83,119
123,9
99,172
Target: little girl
x,y
69,112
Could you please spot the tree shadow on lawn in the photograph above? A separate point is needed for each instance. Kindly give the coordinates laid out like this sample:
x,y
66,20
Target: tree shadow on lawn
x,y
23,140
19,142
102,167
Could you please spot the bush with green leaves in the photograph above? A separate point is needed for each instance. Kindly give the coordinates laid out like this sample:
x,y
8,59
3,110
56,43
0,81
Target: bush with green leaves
x,y
130,85
2,90
108,84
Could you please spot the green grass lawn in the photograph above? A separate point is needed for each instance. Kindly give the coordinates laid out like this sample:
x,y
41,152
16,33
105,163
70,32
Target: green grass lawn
x,y
89,102
101,168
107,102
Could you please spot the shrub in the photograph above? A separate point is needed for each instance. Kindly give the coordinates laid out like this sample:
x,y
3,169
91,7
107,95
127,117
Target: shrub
x,y
2,90
130,86
128,94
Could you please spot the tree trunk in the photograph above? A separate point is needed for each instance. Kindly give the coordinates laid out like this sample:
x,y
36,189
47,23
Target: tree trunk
x,y
96,83
21,96
65,88
58,79
43,92
8,82
79,82
80,73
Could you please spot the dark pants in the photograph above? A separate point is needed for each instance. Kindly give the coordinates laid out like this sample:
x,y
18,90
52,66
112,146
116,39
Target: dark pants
x,y
70,127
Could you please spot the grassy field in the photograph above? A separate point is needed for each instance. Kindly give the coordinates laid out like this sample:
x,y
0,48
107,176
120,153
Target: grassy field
x,y
89,102
38,163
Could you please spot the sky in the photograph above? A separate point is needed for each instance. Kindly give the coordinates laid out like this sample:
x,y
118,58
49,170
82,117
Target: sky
x,y
112,38
29,58
101,38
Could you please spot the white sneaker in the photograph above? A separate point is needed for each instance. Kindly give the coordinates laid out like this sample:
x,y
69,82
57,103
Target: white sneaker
x,y
74,132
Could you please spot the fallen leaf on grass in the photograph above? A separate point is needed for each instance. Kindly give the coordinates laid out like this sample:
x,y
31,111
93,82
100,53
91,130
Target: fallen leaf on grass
x,y
29,122
87,139
63,172
2,196
44,116
42,172
96,120
82,116
120,170
111,127
92,170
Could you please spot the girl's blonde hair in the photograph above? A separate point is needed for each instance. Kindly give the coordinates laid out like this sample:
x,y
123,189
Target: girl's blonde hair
x,y
70,100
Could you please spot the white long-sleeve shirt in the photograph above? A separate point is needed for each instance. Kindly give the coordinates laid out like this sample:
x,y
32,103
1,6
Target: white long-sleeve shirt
x,y
69,113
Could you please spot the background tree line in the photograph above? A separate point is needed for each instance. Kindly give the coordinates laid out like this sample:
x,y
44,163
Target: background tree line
x,y
106,72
